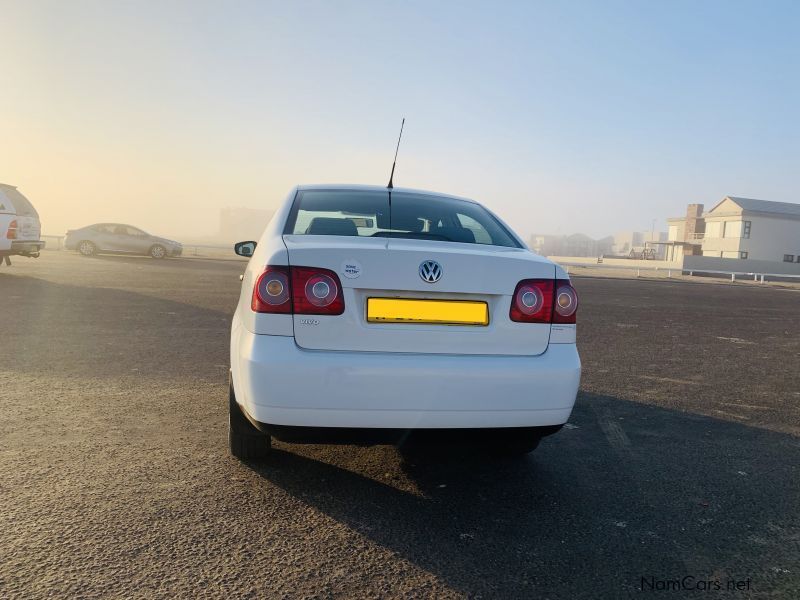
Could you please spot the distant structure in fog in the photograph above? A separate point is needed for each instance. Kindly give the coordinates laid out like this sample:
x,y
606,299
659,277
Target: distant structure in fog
x,y
576,244
238,224
737,236
740,229
685,236
626,242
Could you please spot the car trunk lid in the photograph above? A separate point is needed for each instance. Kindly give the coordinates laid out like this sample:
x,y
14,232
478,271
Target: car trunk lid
x,y
28,229
390,268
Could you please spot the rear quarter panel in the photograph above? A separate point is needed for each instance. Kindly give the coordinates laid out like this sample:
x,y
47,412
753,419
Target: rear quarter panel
x,y
270,251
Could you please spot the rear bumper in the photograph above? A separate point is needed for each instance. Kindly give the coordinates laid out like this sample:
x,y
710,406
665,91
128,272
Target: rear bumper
x,y
277,383
367,437
24,248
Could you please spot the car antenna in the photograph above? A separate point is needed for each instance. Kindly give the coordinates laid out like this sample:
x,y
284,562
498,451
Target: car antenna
x,y
391,177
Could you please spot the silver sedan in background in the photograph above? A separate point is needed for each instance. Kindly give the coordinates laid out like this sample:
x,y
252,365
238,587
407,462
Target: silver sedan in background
x,y
117,238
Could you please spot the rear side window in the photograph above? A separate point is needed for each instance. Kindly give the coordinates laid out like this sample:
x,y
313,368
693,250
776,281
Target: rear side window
x,y
408,215
22,206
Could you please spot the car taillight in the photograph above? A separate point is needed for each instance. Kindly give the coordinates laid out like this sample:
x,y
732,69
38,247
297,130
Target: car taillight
x,y
272,293
544,301
565,308
298,290
533,301
316,291
12,230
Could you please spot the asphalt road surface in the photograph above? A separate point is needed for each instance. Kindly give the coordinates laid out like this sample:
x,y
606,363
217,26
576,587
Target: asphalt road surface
x,y
681,459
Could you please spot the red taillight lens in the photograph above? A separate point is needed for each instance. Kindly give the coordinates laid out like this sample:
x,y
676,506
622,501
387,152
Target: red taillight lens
x,y
316,291
533,301
12,231
298,290
272,293
565,307
544,301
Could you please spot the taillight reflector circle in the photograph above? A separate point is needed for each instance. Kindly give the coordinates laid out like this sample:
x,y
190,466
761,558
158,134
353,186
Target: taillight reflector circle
x,y
532,301
321,290
273,288
529,300
566,301
316,291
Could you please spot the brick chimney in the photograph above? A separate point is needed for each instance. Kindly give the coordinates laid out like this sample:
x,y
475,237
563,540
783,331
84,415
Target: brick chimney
x,y
695,223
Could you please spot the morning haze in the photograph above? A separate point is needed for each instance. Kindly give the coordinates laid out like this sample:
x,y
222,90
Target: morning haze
x,y
161,115
388,395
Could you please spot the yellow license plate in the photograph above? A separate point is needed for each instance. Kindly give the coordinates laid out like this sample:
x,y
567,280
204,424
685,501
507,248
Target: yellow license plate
x,y
437,312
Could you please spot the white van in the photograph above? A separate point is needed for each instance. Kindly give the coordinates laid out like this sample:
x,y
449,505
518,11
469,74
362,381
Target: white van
x,y
20,229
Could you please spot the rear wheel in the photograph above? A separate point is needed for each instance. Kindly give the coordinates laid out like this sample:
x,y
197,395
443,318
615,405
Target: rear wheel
x,y
87,248
158,251
245,441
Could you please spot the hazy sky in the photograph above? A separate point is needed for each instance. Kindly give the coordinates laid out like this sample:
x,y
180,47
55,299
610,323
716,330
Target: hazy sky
x,y
561,116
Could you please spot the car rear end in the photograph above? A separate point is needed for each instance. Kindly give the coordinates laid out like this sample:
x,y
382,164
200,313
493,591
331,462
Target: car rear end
x,y
370,332
72,237
20,228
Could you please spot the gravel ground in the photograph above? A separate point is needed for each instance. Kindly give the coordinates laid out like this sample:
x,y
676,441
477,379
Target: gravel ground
x,y
681,459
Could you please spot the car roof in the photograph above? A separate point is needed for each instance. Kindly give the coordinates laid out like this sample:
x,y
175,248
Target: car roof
x,y
110,224
378,188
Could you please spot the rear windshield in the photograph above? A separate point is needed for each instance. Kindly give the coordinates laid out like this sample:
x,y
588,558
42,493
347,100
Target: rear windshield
x,y
20,203
415,216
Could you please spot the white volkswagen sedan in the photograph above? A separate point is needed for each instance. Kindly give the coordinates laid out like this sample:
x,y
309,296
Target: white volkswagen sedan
x,y
369,315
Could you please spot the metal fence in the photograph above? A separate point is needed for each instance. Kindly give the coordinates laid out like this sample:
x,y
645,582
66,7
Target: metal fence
x,y
758,277
53,242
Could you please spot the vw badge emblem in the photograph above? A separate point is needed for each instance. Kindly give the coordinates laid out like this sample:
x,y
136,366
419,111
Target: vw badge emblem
x,y
430,271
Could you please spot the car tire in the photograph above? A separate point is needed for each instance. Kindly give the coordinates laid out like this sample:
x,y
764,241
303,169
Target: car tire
x,y
87,248
245,441
157,251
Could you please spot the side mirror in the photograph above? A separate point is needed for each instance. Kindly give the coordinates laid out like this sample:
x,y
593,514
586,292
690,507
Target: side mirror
x,y
244,248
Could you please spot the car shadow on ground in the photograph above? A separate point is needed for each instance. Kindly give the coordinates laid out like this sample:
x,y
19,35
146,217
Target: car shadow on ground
x,y
627,493
132,259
